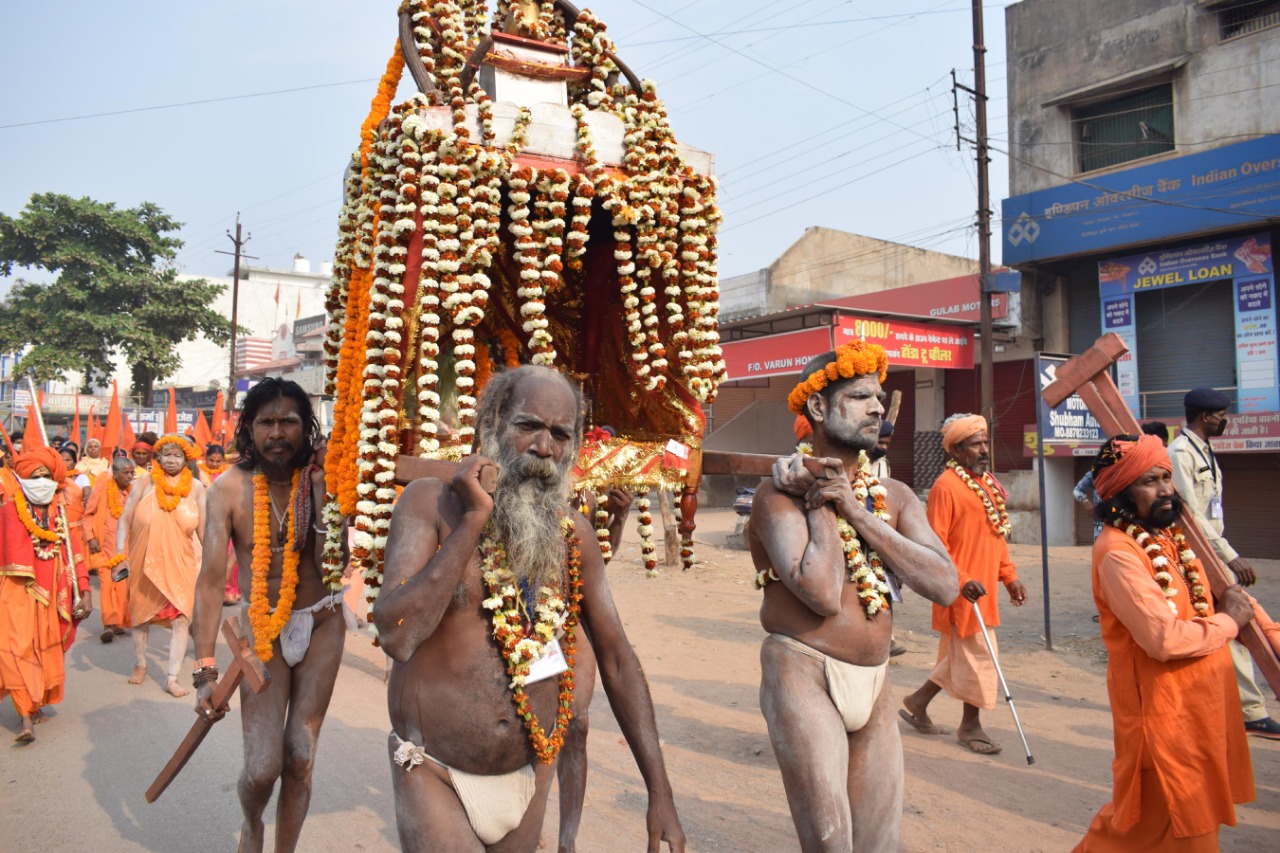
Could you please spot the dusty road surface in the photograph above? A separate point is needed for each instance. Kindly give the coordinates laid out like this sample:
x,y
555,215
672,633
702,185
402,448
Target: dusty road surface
x,y
79,786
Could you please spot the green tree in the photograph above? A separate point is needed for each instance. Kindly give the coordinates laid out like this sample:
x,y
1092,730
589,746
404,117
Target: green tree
x,y
111,289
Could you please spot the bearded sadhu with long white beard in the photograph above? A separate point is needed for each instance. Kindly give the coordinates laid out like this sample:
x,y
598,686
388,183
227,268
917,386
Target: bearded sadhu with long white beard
x,y
477,729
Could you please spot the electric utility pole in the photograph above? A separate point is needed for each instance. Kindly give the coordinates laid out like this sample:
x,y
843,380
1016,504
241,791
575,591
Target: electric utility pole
x,y
984,221
238,241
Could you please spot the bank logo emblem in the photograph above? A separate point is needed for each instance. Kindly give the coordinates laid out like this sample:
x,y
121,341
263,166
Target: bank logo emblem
x,y
1147,267
1023,228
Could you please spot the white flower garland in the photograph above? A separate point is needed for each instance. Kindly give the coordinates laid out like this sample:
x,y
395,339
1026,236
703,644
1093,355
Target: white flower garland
x,y
997,515
648,550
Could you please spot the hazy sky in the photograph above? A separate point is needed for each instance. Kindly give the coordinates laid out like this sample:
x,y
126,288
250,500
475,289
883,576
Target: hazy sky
x,y
819,112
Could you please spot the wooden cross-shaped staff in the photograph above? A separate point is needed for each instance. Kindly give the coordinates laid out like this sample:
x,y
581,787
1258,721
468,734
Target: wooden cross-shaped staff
x,y
1088,375
245,665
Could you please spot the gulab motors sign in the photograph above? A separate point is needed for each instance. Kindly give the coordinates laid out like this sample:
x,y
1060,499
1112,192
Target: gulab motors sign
x,y
912,344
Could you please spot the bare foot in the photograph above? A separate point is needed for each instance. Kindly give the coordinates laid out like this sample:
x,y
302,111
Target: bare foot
x,y
917,717
171,687
139,675
977,740
40,717
27,734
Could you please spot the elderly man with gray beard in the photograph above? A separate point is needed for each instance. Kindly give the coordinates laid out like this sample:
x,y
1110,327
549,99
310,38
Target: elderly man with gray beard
x,y
496,617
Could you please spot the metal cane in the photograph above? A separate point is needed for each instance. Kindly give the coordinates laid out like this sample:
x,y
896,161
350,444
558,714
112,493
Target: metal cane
x,y
1003,683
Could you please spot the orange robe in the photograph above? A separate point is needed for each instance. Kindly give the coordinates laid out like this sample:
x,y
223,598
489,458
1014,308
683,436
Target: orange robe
x,y
35,616
965,668
1181,758
164,558
8,484
113,596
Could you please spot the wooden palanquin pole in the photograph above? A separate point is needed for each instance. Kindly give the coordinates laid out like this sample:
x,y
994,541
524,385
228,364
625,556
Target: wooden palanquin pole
x,y
1089,376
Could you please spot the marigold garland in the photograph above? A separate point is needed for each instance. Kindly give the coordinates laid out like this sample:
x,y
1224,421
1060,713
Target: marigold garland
x,y
992,497
521,644
648,550
115,498
169,496
267,624
1157,549
866,569
41,537
601,525
855,358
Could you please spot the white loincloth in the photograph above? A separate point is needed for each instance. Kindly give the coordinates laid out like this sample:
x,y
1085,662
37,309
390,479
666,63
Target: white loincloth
x,y
495,805
853,689
295,637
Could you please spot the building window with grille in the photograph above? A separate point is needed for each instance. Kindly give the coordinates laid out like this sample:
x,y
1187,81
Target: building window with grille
x,y
1246,18
1123,128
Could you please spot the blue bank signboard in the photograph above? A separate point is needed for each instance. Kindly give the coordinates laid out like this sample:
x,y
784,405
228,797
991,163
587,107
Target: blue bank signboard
x,y
1229,187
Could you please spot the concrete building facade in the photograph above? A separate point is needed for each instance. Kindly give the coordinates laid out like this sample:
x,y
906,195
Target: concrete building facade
x,y
1144,171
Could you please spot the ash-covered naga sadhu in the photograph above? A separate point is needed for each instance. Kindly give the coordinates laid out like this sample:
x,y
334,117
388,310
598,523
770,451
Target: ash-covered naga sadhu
x,y
530,204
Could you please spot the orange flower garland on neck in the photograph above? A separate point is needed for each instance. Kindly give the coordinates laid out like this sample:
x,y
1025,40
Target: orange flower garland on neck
x,y
115,498
267,625
169,496
853,359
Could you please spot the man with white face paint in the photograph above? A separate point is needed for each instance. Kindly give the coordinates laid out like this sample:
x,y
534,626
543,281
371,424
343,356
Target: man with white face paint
x,y
37,620
824,548
160,531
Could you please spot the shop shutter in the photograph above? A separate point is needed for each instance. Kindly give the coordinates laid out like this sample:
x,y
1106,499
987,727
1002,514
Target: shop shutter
x,y
1186,339
902,447
1014,404
1084,308
1248,503
730,400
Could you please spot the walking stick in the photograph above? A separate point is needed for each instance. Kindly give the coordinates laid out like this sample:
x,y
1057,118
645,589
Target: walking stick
x,y
1003,683
64,529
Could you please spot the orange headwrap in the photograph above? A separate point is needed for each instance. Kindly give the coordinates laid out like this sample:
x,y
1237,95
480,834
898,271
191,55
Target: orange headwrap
x,y
29,460
803,428
960,429
1133,459
856,358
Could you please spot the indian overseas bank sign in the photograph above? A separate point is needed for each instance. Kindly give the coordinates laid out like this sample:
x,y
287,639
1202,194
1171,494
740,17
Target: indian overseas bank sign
x,y
1228,187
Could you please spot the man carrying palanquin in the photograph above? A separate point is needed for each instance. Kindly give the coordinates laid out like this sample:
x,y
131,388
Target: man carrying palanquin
x,y
102,521
967,511
92,462
476,731
268,506
824,549
37,620
1181,757
159,533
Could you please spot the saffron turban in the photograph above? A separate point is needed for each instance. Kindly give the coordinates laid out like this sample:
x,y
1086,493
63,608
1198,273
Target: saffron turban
x,y
956,432
29,460
1133,459
803,428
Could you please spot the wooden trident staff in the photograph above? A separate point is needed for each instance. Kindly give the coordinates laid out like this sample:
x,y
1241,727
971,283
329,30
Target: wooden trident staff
x,y
1089,376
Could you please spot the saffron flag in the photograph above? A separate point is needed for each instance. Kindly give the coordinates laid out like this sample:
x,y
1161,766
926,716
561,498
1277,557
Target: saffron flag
x,y
111,434
127,438
31,436
219,427
171,416
8,442
203,435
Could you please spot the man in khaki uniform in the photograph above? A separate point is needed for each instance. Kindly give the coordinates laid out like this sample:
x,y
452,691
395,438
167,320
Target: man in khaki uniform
x,y
1198,478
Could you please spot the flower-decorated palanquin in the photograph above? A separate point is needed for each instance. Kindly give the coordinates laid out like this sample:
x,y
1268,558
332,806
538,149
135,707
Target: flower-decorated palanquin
x,y
529,204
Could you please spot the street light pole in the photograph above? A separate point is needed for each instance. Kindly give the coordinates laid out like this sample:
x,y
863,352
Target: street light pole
x,y
984,220
238,241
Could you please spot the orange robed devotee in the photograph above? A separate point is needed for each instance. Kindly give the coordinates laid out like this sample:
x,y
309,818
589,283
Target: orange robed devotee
x,y
102,519
1181,757
161,528
36,617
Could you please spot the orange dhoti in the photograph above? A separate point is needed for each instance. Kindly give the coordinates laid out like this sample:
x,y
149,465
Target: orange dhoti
x,y
965,669
101,525
164,558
